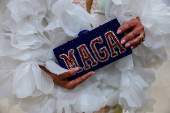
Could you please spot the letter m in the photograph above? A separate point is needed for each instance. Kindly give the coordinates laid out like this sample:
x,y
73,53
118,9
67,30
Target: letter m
x,y
70,60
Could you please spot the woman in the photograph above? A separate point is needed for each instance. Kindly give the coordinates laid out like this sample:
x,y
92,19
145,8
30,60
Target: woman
x,y
30,30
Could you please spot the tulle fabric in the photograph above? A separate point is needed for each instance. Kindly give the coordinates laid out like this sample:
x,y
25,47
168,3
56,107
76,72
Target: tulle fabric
x,y
31,29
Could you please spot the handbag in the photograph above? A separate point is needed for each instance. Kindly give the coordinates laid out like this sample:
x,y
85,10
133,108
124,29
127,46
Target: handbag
x,y
92,50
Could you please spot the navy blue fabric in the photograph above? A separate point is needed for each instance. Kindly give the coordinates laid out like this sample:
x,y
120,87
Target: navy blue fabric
x,y
86,38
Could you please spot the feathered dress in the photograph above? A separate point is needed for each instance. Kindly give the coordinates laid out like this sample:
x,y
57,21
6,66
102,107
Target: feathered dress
x,y
31,29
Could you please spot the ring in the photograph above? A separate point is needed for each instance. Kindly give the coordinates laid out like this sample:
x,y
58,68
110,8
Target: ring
x,y
143,38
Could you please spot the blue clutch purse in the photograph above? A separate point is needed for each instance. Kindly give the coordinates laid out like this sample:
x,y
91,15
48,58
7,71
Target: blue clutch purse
x,y
93,49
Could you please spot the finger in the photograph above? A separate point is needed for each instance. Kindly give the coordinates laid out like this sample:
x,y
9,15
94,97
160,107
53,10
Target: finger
x,y
123,28
135,41
133,47
72,84
129,25
70,73
131,35
44,69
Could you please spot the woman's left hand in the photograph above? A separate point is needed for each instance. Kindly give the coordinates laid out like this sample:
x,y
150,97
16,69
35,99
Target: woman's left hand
x,y
136,35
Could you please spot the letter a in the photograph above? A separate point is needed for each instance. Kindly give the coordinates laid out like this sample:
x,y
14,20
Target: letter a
x,y
86,56
114,42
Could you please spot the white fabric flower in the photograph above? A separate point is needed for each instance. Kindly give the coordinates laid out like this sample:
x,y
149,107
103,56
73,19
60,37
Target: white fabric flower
x,y
69,17
154,15
29,76
24,8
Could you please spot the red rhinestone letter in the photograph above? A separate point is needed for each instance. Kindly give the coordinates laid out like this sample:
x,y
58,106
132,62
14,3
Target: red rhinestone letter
x,y
102,50
70,60
114,42
85,56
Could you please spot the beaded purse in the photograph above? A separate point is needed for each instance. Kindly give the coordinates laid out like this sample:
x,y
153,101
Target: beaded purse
x,y
92,50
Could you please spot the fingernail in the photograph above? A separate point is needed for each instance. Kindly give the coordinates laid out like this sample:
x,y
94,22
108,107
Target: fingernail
x,y
132,47
93,73
123,41
119,31
76,69
127,45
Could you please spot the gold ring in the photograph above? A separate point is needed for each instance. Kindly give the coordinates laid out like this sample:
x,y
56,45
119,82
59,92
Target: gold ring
x,y
143,38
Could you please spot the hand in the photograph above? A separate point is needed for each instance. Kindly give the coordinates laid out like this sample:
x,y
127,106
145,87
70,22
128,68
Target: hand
x,y
136,35
61,79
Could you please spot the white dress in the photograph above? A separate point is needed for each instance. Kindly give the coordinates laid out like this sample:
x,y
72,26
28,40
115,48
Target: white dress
x,y
31,29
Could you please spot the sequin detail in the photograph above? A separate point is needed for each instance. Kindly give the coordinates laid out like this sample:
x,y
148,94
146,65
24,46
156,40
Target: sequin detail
x,y
97,4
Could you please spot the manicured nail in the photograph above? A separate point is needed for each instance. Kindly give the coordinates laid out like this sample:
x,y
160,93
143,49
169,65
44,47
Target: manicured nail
x,y
132,47
119,31
127,45
76,69
93,73
123,41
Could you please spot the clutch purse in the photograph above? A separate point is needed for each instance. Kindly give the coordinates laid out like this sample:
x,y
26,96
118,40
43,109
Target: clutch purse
x,y
92,50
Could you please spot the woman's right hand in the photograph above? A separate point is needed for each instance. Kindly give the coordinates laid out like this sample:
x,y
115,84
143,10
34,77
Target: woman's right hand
x,y
61,79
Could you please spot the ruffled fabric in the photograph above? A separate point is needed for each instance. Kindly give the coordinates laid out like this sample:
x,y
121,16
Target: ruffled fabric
x,y
31,29
67,15
154,15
